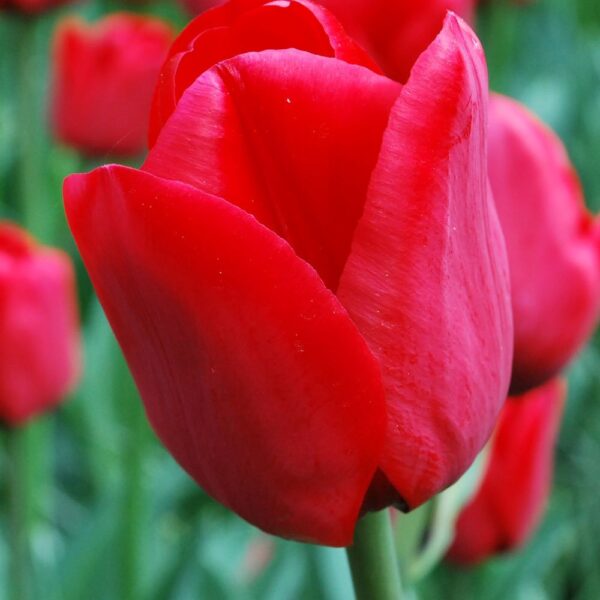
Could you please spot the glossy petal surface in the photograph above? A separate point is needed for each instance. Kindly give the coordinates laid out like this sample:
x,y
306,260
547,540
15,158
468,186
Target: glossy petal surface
x,y
514,492
251,372
39,341
552,241
288,136
427,279
245,26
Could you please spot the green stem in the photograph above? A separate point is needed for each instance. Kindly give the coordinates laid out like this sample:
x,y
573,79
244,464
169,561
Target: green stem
x,y
373,559
331,573
30,457
35,209
134,447
19,514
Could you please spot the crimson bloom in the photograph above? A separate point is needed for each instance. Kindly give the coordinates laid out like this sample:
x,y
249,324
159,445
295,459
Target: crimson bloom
x,y
514,492
104,77
307,275
39,338
553,243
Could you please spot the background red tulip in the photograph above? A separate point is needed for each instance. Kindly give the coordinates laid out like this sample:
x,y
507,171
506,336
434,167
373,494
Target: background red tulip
x,y
513,495
553,243
39,339
308,266
104,77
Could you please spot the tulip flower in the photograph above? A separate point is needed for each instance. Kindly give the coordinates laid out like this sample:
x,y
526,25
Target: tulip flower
x,y
512,498
553,243
39,340
307,276
104,77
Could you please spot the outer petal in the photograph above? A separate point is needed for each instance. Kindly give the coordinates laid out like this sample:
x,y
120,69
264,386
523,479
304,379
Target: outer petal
x,y
427,280
553,243
251,372
288,136
515,489
243,26
39,341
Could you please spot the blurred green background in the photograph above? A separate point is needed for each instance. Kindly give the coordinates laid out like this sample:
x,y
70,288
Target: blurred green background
x,y
112,516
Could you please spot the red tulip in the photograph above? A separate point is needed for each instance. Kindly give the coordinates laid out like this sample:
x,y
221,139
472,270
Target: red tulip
x,y
553,243
511,501
307,276
104,77
39,340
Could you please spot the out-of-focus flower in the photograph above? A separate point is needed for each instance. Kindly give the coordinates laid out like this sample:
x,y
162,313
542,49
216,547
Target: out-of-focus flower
x,y
104,77
514,492
553,243
30,6
259,555
307,276
39,332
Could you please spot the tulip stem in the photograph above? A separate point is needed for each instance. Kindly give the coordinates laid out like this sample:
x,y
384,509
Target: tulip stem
x,y
373,561
32,141
134,448
19,514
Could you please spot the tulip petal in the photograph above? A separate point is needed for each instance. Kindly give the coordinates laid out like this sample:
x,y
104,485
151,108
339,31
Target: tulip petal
x,y
550,238
427,279
251,372
239,27
514,492
288,136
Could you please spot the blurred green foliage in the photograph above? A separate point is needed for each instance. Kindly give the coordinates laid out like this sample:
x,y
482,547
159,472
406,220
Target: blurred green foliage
x,y
113,517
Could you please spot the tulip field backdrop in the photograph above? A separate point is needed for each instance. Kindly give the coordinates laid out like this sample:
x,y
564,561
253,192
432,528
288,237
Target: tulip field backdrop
x,y
109,513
